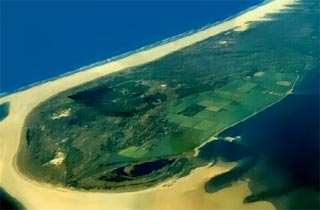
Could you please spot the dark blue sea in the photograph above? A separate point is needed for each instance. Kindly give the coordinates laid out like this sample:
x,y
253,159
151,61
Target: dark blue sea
x,y
41,40
282,147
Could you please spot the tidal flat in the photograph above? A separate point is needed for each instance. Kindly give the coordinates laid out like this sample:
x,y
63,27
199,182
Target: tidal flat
x,y
102,155
96,135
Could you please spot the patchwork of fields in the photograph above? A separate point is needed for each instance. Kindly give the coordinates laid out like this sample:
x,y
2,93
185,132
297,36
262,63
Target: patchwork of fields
x,y
138,127
205,115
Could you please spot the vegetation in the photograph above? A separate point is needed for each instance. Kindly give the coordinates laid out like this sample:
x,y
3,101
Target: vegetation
x,y
133,129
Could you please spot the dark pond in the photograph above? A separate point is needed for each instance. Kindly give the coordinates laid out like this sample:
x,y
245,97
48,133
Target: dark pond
x,y
149,167
139,170
4,110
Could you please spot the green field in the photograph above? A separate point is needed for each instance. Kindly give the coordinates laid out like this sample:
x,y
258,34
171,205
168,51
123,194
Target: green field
x,y
228,105
138,127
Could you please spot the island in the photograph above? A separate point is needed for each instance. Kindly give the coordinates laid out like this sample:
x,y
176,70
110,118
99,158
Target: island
x,y
131,129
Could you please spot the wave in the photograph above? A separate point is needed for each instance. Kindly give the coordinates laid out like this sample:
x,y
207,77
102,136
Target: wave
x,y
144,48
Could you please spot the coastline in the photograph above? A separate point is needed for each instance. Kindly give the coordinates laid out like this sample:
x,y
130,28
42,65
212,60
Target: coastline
x,y
126,54
24,101
214,137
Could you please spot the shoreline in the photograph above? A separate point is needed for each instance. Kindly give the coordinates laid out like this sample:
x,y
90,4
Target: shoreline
x,y
132,52
214,137
158,185
36,195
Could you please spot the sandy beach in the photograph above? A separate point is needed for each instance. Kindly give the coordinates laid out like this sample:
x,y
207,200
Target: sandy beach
x,y
185,193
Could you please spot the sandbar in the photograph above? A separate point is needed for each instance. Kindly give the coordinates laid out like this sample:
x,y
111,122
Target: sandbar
x,y
185,193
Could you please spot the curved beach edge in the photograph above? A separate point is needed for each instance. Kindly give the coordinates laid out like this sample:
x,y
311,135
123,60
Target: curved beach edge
x,y
41,196
126,54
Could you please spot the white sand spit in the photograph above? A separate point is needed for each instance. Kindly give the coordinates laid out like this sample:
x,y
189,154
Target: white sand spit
x,y
59,158
185,193
64,113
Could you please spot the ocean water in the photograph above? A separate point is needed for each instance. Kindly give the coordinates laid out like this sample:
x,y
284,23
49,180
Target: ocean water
x,y
40,40
283,141
7,202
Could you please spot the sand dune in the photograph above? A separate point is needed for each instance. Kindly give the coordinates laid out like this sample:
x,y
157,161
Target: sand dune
x,y
185,193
